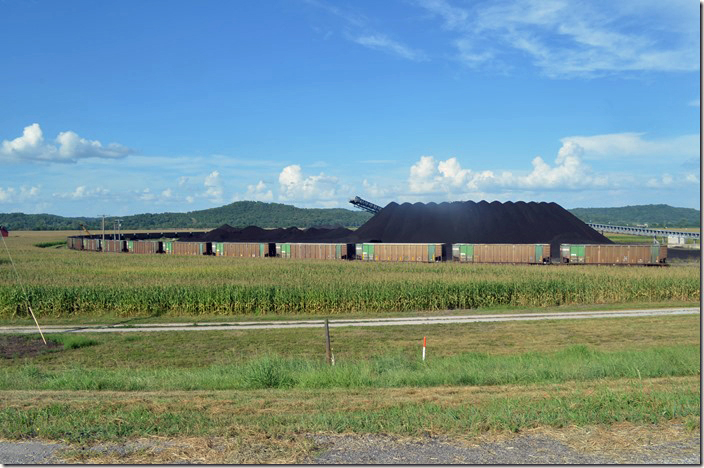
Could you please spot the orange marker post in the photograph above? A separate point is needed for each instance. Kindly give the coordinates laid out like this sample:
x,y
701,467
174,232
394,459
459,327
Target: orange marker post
x,y
424,348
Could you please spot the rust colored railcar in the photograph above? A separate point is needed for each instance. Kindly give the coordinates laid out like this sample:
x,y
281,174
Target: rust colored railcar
x,y
144,247
115,246
92,244
75,243
613,254
189,248
243,249
501,253
424,253
315,251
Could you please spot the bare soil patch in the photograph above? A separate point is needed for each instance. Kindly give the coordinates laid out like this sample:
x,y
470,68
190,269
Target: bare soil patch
x,y
14,346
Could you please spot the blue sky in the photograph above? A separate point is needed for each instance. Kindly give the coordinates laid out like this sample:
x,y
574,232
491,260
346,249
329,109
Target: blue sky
x,y
142,106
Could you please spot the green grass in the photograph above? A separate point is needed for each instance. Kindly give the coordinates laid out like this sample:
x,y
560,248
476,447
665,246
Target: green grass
x,y
75,418
576,363
73,341
179,350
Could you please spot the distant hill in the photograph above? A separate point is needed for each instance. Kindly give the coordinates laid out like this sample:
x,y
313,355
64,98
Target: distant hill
x,y
655,216
239,214
277,215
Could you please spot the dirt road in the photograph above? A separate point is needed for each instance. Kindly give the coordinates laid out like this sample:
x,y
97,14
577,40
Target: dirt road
x,y
368,322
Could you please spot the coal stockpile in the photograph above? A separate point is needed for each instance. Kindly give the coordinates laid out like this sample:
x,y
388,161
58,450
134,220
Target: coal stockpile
x,y
450,222
477,223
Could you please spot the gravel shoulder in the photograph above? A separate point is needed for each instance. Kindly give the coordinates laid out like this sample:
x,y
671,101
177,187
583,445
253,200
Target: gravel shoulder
x,y
625,444
533,449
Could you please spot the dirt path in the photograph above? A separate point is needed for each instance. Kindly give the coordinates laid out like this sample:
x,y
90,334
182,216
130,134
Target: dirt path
x,y
350,322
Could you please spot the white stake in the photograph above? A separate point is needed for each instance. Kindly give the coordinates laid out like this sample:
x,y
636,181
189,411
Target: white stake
x,y
424,348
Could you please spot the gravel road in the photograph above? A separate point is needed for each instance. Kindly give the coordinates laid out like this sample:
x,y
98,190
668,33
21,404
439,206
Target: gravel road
x,y
524,449
369,322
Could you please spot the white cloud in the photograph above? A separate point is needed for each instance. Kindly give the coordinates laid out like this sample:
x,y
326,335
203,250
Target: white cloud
x,y
294,186
385,44
375,190
631,145
694,103
568,172
69,148
82,192
259,192
168,193
667,180
147,195
12,195
214,190
566,38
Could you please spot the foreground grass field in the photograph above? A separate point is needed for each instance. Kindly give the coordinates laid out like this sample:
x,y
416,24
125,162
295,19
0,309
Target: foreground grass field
x,y
272,386
263,390
63,283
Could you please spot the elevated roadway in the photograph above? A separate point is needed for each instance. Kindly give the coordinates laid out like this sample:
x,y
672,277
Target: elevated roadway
x,y
639,231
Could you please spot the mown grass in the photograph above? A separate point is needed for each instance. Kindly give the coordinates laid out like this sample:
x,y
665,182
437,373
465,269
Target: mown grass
x,y
204,348
576,363
76,417
210,347
65,283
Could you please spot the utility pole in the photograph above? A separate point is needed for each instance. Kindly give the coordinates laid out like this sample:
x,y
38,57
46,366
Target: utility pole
x,y
102,245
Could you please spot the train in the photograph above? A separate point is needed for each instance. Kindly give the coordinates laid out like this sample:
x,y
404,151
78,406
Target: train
x,y
572,254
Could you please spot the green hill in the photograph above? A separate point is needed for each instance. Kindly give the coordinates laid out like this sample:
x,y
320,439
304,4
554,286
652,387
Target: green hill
x,y
655,216
238,214
273,215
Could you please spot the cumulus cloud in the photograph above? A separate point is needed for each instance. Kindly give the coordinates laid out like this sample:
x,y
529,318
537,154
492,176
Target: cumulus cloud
x,y
68,147
213,185
568,172
293,185
12,195
259,192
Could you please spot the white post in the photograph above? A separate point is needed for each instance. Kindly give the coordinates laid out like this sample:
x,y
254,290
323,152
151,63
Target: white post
x,y
423,348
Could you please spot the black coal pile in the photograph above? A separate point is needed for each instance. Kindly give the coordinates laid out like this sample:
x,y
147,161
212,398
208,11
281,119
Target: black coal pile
x,y
478,223
450,222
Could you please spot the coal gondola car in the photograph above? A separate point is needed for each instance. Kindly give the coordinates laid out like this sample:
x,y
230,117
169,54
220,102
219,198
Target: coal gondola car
x,y
75,243
322,251
378,252
501,253
613,254
244,249
94,245
190,248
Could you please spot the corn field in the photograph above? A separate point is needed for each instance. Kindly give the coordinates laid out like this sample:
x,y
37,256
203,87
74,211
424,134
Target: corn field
x,y
61,283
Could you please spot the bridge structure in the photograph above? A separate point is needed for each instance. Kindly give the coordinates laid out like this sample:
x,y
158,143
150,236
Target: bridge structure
x,y
640,231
